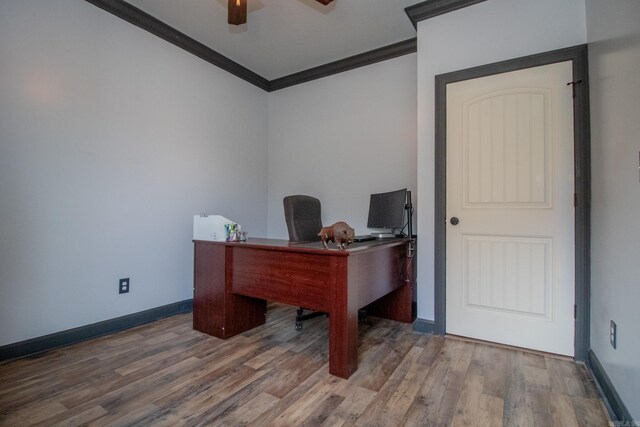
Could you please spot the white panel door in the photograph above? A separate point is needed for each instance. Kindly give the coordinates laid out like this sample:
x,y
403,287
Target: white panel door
x,y
510,184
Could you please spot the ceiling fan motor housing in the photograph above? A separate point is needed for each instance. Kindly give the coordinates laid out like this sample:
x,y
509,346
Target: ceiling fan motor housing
x,y
237,14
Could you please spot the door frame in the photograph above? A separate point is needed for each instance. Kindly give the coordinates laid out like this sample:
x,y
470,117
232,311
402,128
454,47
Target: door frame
x,y
582,174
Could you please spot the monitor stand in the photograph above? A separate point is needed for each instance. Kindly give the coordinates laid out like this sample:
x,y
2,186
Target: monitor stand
x,y
383,235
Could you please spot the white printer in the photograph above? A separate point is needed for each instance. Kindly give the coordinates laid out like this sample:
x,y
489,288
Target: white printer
x,y
210,227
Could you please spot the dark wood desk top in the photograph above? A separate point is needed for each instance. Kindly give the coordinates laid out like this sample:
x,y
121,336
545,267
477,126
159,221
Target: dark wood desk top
x,y
311,247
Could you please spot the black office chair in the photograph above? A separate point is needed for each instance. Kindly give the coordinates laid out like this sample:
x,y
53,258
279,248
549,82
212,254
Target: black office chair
x,y
302,214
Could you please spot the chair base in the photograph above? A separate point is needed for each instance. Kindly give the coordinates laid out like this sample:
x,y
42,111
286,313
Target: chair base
x,y
300,317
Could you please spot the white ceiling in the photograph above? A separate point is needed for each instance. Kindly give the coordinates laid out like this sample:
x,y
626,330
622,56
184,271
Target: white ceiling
x,y
282,37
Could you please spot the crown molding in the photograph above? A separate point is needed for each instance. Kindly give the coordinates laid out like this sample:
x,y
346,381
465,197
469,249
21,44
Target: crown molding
x,y
371,57
141,19
430,8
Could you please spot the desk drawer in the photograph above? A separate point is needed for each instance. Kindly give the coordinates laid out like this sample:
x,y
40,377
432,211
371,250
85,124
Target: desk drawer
x,y
287,277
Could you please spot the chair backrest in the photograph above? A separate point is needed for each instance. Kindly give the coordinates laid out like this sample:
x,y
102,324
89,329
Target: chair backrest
x,y
302,214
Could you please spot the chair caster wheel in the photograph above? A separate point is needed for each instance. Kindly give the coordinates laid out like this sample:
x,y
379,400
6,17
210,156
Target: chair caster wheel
x,y
298,326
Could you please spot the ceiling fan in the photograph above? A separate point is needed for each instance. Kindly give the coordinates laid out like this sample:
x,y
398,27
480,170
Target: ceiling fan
x,y
238,11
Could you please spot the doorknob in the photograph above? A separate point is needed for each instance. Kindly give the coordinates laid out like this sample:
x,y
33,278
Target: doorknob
x,y
454,220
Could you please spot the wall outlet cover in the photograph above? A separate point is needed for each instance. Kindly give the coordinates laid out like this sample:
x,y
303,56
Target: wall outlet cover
x,y
613,334
123,286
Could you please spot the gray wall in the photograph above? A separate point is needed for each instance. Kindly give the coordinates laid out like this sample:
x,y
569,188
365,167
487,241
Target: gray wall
x,y
342,138
614,65
110,140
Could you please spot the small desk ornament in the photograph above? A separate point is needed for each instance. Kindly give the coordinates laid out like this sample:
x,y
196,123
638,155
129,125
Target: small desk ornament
x,y
340,232
233,232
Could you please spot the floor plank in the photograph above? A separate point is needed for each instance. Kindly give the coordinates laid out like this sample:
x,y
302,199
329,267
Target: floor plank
x,y
165,373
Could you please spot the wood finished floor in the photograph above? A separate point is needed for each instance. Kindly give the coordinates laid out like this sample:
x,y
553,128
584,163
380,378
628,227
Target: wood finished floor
x,y
165,373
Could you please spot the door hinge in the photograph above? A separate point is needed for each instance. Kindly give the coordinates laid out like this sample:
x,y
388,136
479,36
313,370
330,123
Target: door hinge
x,y
573,86
575,200
575,311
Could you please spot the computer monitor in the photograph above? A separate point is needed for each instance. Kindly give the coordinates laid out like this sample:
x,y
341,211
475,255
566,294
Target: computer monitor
x,y
386,212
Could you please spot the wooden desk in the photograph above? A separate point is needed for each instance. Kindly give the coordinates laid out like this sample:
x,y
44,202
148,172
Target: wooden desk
x,y
233,281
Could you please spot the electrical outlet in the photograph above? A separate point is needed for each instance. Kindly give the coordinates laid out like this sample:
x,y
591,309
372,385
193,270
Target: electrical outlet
x,y
612,334
123,286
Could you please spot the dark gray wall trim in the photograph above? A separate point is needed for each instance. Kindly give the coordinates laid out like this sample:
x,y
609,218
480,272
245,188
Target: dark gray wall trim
x,y
377,55
582,171
423,325
83,333
616,407
440,208
147,22
430,8
137,17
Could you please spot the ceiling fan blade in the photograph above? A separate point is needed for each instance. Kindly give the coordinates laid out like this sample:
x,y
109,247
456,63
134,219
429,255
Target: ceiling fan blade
x,y
324,2
237,12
